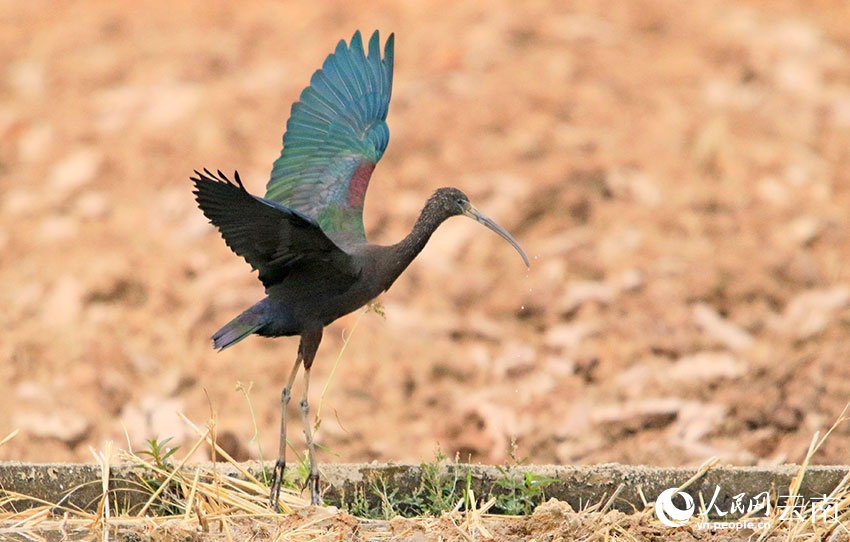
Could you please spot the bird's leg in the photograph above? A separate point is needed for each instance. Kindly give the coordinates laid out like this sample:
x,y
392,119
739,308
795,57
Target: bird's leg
x,y
280,464
313,479
310,343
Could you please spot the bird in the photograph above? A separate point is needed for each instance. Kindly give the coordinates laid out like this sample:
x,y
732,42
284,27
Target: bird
x,y
305,237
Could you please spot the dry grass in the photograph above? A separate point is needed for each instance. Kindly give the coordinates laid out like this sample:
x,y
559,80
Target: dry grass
x,y
809,527
201,503
209,500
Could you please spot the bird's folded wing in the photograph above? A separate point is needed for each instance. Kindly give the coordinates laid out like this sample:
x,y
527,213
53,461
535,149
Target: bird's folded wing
x,y
280,243
334,137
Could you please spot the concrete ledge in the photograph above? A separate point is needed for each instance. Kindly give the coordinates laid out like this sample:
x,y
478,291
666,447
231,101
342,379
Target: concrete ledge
x,y
79,485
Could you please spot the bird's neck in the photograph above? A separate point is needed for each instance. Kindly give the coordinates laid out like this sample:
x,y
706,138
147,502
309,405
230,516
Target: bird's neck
x,y
408,248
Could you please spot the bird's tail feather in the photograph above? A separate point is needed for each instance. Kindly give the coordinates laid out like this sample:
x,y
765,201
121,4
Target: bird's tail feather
x,y
235,330
267,317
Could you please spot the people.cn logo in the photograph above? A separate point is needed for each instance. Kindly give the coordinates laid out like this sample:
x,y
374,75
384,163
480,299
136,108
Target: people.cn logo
x,y
668,513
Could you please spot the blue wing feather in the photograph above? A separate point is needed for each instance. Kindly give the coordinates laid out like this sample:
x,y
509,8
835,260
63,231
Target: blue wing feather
x,y
337,126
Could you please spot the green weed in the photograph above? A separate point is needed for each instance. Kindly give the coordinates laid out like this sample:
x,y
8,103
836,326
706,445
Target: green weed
x,y
370,501
521,495
158,452
438,492
157,472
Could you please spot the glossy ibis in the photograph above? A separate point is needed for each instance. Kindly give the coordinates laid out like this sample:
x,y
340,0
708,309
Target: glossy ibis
x,y
306,237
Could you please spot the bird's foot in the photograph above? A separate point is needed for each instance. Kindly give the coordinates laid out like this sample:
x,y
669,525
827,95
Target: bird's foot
x,y
277,480
315,491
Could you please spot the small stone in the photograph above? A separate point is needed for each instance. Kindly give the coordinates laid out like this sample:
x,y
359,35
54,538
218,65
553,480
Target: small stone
x,y
64,302
568,336
27,77
168,103
93,205
620,242
62,425
409,529
77,169
811,312
773,191
164,419
58,228
19,202
479,326
171,380
30,390
26,298
706,367
840,112
636,185
195,226
556,367
803,230
515,359
155,416
696,420
633,416
629,280
133,420
34,143
588,291
505,204
725,332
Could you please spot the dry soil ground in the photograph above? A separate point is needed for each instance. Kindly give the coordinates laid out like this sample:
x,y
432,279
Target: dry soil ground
x,y
678,172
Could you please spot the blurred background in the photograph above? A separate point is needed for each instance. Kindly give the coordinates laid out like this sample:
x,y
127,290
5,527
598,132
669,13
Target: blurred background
x,y
679,177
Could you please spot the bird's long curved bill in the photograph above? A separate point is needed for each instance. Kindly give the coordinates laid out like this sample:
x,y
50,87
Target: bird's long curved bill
x,y
476,215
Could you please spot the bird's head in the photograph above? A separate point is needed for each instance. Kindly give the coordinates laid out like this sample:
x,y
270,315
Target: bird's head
x,y
452,202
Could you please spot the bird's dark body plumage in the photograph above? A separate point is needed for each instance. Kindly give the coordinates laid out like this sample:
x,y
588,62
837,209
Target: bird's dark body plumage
x,y
305,237
310,281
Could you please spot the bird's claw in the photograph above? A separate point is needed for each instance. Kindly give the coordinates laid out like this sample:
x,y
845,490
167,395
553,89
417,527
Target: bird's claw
x,y
312,481
315,492
277,480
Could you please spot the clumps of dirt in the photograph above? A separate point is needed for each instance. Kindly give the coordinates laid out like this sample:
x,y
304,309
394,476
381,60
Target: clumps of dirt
x,y
555,520
678,178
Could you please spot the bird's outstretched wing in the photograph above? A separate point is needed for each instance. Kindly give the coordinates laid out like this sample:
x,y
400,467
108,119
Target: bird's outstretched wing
x,y
334,137
279,242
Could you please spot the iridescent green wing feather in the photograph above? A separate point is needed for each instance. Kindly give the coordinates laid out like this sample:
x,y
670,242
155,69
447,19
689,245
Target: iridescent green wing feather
x,y
335,135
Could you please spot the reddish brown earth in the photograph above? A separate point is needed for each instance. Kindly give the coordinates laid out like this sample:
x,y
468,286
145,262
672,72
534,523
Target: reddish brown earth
x,y
680,177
